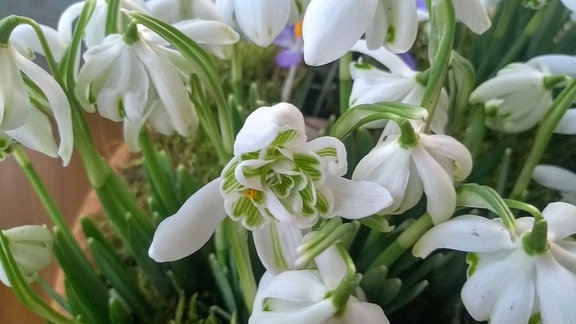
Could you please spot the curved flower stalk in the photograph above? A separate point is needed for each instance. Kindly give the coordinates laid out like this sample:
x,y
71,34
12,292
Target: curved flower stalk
x,y
509,280
557,178
306,296
429,166
400,84
517,98
95,30
274,177
135,78
20,119
261,21
31,247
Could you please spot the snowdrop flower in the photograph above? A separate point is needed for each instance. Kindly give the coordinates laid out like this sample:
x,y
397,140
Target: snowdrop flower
x,y
261,21
400,84
305,296
20,120
135,78
519,95
31,247
509,280
172,11
567,124
274,176
557,178
95,29
24,39
430,166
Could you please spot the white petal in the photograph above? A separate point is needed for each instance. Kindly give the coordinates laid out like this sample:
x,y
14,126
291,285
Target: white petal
x,y
561,218
452,149
58,103
25,36
401,24
14,100
438,185
319,313
473,14
331,27
67,18
555,177
191,227
332,267
514,77
36,134
390,60
365,313
556,287
570,4
555,64
297,285
337,165
262,126
357,199
494,273
262,20
467,233
276,246
567,124
131,130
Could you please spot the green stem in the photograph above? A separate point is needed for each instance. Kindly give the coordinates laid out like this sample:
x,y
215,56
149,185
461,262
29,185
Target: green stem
x,y
403,242
112,17
22,289
241,256
443,21
543,135
345,79
237,78
348,284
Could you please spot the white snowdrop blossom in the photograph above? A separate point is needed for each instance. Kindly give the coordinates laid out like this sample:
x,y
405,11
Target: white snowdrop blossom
x,y
144,80
95,31
431,166
274,176
507,281
22,121
520,94
261,21
31,247
557,178
567,124
399,84
172,11
305,296
332,27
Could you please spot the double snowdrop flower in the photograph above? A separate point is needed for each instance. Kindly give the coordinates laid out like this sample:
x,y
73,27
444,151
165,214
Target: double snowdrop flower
x,y
332,27
520,94
305,296
31,247
19,118
136,78
429,166
275,181
509,281
400,84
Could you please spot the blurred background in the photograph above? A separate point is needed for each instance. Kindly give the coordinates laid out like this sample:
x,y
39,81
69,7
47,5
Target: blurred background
x,y
69,186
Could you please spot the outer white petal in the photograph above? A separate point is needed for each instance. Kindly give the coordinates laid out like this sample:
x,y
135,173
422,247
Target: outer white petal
x,y
262,20
337,165
473,14
36,134
297,285
556,287
567,124
191,227
357,199
131,130
468,233
438,185
570,4
555,63
276,246
318,313
555,177
332,267
561,219
170,88
58,103
14,100
365,313
390,60
67,18
482,290
513,78
262,126
202,32
332,27
401,24
24,35
452,149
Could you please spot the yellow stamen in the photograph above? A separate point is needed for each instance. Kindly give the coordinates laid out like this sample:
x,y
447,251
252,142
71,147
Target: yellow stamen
x,y
298,29
251,193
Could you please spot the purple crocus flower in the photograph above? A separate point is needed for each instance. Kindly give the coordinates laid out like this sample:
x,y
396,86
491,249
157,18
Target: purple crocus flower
x,y
290,40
